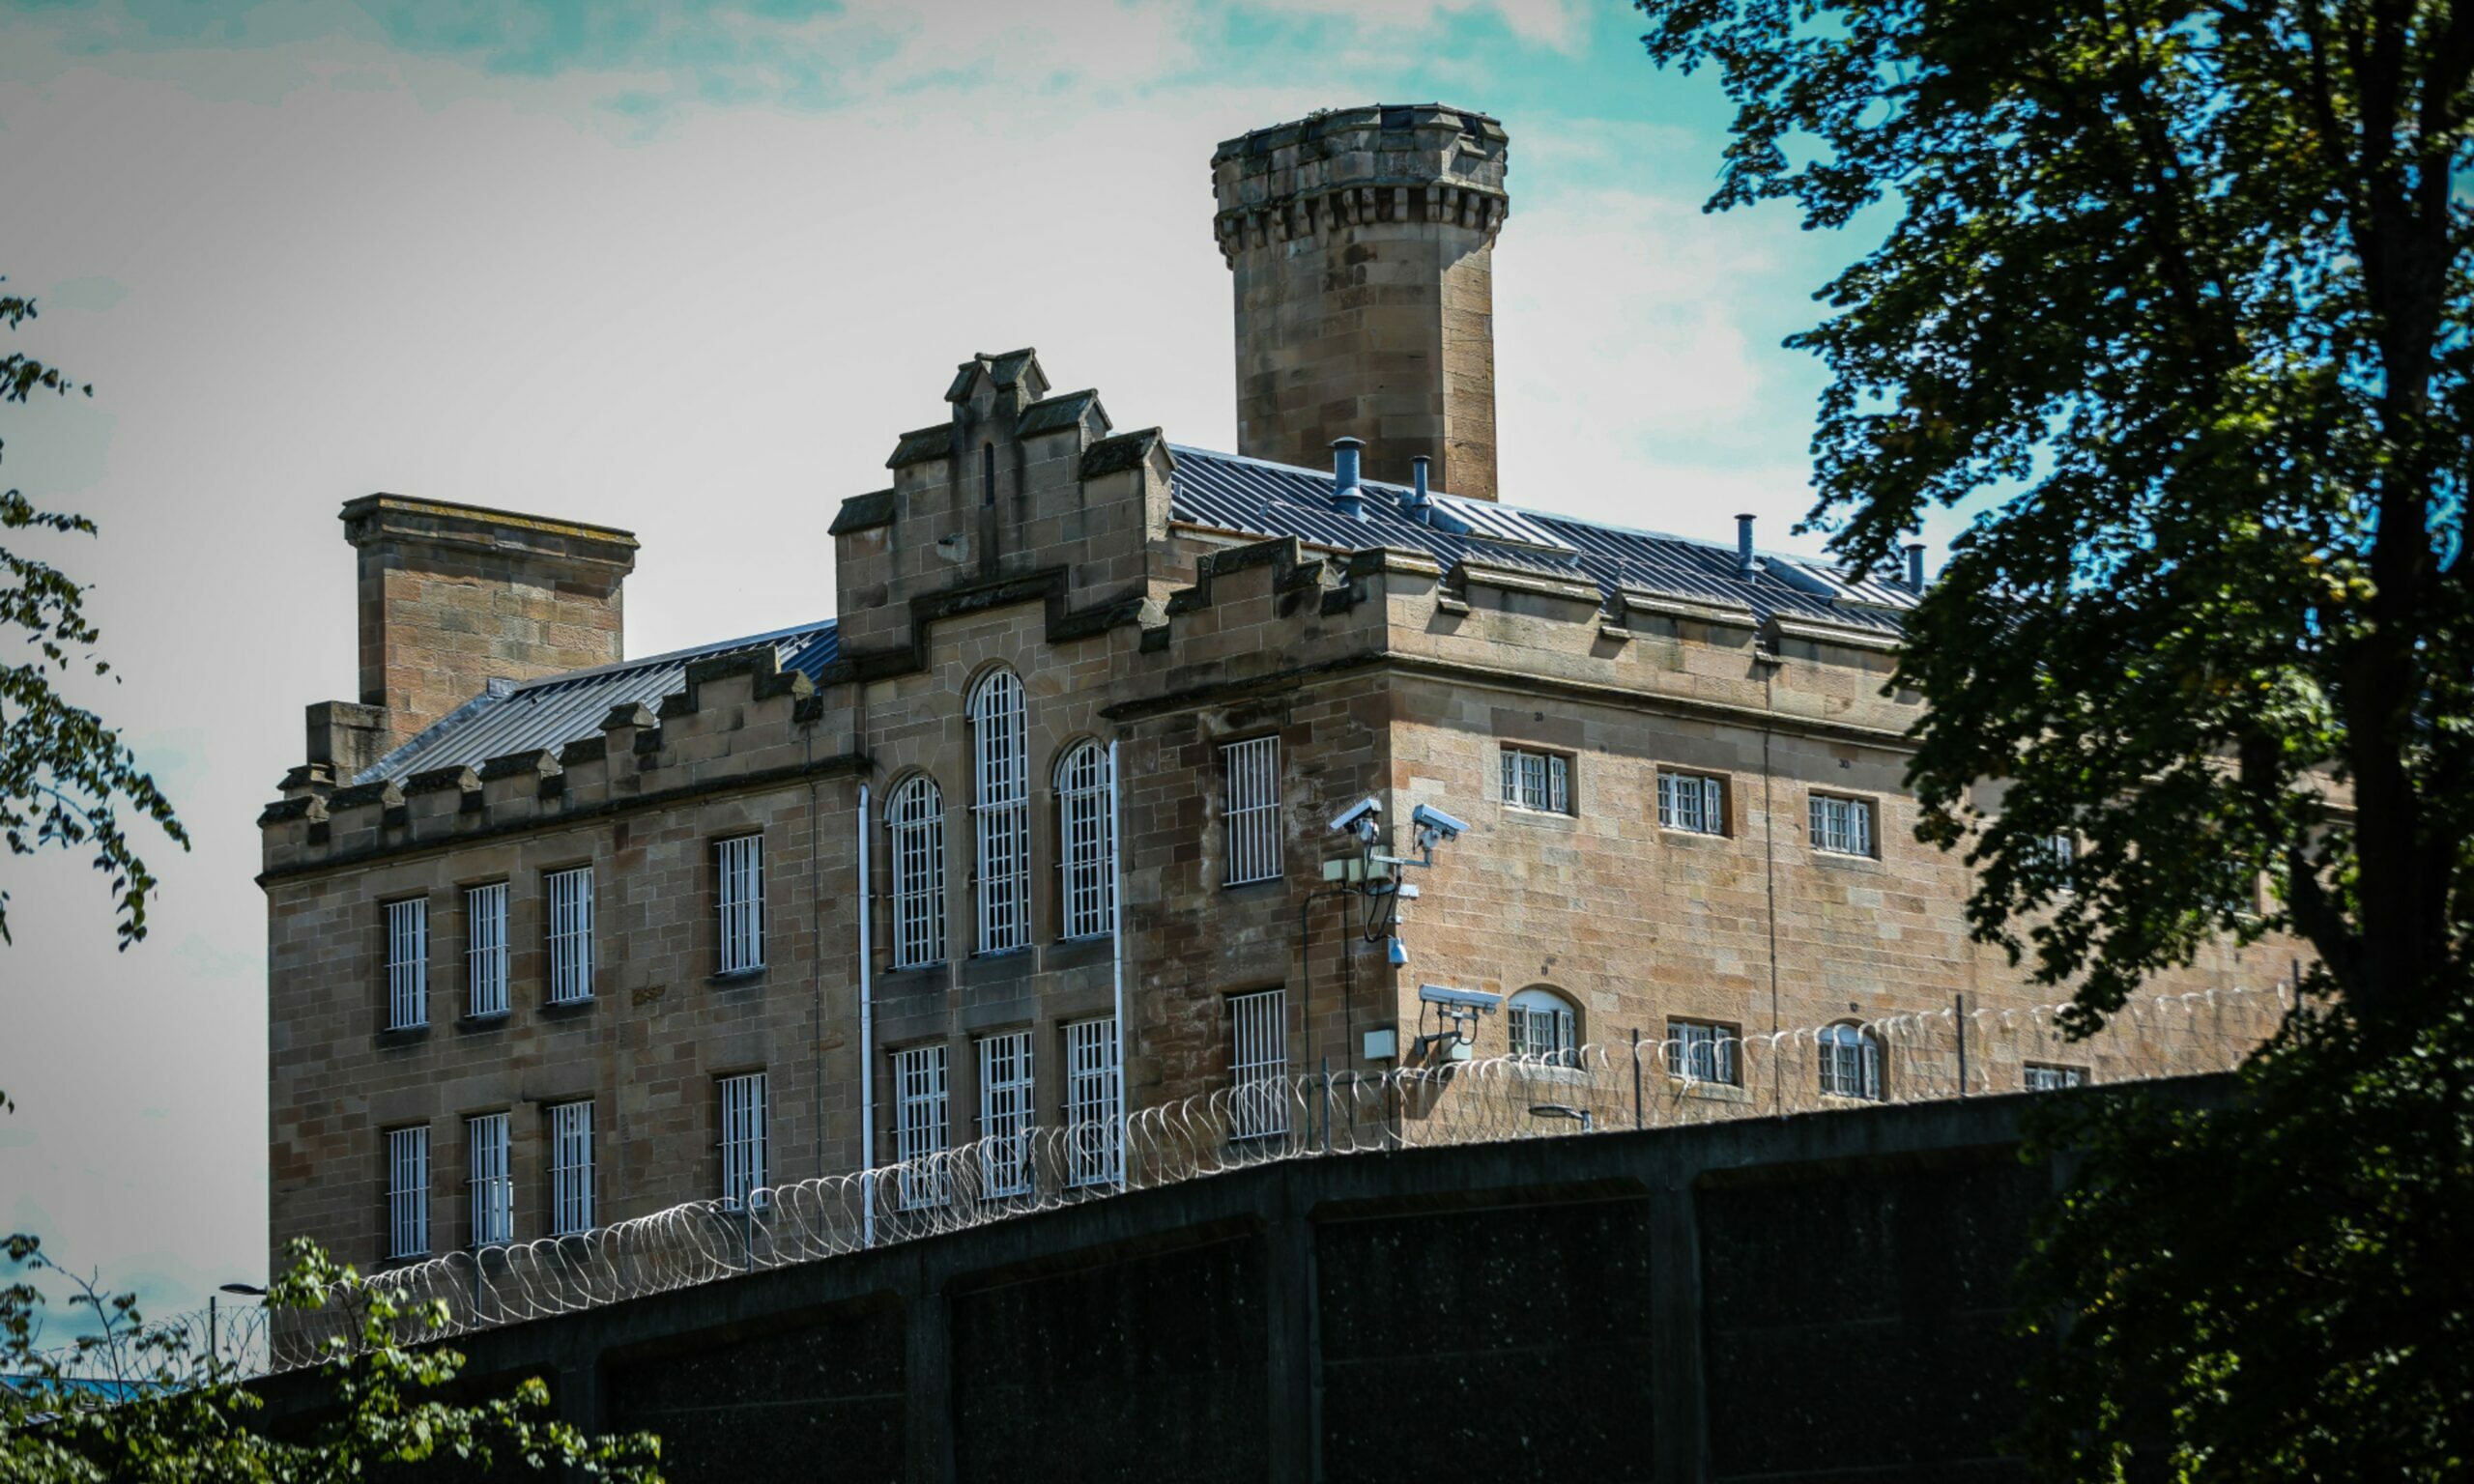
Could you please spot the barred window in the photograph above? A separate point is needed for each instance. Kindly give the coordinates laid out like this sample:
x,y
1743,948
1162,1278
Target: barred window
x,y
743,1139
2063,851
2048,1077
1086,834
489,1182
407,1192
1702,1052
407,964
1842,826
1001,810
1252,771
1691,802
915,822
919,1125
1005,1113
1537,780
1092,1154
1259,1071
570,1168
485,949
739,866
571,894
1850,1063
1540,1023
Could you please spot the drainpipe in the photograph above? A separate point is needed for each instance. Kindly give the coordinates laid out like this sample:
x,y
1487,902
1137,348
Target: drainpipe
x,y
866,1045
1116,953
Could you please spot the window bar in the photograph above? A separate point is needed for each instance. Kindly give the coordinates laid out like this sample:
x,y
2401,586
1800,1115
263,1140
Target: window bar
x,y
485,949
1005,1113
743,1139
570,1169
491,1183
571,935
1091,1103
407,964
1259,1070
407,1192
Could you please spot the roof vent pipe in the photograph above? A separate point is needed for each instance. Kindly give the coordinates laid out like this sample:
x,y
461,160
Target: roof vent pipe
x,y
1419,506
1916,567
1744,546
1346,493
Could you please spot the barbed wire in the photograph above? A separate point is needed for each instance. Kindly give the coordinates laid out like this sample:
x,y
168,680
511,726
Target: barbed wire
x,y
1593,1088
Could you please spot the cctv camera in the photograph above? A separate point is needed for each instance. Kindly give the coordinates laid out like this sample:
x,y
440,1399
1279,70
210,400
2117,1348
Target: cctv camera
x,y
1368,808
1429,818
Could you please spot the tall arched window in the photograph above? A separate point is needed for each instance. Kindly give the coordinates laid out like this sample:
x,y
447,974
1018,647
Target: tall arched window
x,y
1850,1063
915,821
1002,810
1541,1023
1086,839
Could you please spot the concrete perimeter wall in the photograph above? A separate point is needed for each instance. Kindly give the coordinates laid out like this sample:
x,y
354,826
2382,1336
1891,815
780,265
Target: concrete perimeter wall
x,y
1822,1298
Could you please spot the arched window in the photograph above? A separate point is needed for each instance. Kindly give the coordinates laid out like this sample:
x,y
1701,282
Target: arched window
x,y
915,820
1541,1023
1002,810
1850,1063
1086,839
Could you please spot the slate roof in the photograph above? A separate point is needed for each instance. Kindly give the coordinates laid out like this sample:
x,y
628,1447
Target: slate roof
x,y
1224,491
1220,492
558,709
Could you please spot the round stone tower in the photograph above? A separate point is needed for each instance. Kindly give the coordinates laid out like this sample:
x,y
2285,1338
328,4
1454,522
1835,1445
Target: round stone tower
x,y
1363,243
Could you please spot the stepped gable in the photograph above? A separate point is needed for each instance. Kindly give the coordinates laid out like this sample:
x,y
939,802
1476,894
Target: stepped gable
x,y
550,713
1249,496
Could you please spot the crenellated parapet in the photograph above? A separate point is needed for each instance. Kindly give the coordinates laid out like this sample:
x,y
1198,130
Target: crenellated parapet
x,y
739,722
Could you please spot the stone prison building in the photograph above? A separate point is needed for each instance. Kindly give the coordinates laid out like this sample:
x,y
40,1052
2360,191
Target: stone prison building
x,y
1036,829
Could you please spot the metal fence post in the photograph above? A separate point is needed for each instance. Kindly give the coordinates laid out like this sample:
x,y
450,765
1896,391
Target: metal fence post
x,y
1327,1104
1636,1076
1959,1018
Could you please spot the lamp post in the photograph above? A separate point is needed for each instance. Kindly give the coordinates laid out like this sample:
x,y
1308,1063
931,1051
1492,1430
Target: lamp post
x,y
213,1326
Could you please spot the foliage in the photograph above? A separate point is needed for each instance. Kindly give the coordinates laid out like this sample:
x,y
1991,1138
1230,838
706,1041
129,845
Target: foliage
x,y
154,1410
2175,297
2188,281
2273,1289
65,776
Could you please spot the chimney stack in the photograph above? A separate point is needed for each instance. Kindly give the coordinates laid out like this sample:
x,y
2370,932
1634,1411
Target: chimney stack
x,y
1916,567
1744,546
455,596
1361,246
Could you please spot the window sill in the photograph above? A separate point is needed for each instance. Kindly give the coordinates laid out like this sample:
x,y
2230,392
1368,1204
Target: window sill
x,y
567,1009
403,1036
734,978
1541,816
494,1021
1547,1072
1843,858
1680,834
1246,886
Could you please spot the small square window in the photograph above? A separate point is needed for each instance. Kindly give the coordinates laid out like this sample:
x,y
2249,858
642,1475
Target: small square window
x,y
2052,1078
1702,1051
1538,781
1694,803
1841,826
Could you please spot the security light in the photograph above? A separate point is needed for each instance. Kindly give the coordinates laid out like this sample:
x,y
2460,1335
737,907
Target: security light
x,y
1563,1110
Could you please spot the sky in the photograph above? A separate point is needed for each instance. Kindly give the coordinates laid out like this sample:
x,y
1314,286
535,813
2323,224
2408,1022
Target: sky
x,y
687,270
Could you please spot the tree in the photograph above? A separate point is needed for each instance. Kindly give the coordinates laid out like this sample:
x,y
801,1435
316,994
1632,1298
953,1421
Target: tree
x,y
2177,294
65,776
133,1404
